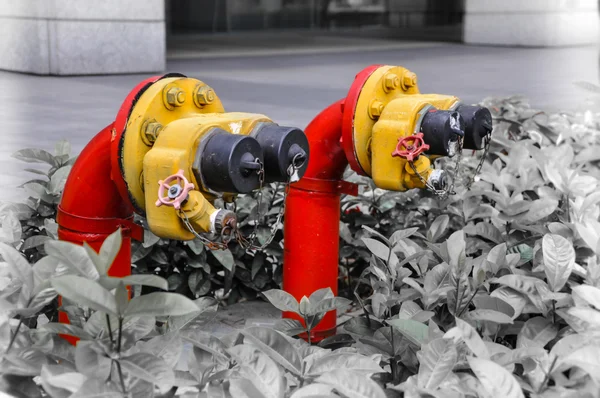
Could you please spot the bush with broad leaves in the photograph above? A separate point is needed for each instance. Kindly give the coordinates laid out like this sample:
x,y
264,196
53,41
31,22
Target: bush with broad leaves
x,y
494,291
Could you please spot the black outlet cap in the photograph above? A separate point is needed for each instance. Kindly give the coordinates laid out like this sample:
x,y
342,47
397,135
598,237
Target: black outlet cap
x,y
478,124
440,129
281,147
228,162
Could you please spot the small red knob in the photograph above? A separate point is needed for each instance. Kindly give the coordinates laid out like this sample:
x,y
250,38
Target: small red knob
x,y
410,147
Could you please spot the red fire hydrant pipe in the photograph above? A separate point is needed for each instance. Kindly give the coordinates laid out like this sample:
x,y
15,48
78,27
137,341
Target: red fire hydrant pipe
x,y
312,217
94,203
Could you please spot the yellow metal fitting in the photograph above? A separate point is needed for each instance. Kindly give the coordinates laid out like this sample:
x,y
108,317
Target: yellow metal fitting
x,y
364,119
176,148
198,211
174,97
400,119
151,107
375,109
150,131
204,95
423,166
409,80
391,81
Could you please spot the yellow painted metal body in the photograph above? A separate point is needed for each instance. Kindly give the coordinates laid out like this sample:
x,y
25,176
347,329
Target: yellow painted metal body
x,y
385,113
164,130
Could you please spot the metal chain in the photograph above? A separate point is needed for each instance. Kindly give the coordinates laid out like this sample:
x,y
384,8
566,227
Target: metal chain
x,y
292,169
442,193
231,231
210,244
488,141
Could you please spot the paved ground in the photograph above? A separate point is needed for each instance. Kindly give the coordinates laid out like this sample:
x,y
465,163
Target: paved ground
x,y
292,88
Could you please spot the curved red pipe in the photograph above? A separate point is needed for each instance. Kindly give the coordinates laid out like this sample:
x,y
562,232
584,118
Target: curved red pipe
x,y
312,216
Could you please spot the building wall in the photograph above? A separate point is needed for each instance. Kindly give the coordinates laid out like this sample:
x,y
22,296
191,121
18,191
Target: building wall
x,y
541,23
66,37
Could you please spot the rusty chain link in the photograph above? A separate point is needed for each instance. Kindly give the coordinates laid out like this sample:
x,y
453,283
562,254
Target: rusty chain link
x,y
442,193
488,141
231,231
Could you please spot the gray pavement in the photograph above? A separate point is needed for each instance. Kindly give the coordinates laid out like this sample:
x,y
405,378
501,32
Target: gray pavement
x,y
292,88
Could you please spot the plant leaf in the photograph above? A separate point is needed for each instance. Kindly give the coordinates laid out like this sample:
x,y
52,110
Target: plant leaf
x,y
587,295
225,258
456,249
489,316
74,256
343,360
352,384
414,331
94,388
536,332
586,358
110,282
108,252
559,259
276,346
85,292
91,361
31,155
261,370
282,300
290,327
495,379
19,266
160,304
150,368
436,361
465,332
438,228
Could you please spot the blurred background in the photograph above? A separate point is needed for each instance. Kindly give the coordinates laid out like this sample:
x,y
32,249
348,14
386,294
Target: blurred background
x,y
66,65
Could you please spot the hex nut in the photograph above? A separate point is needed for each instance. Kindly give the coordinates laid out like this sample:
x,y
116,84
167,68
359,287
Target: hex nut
x,y
175,97
391,81
150,132
204,96
409,80
375,109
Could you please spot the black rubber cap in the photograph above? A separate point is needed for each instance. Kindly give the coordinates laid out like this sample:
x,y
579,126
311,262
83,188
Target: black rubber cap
x,y
440,128
228,162
281,145
478,124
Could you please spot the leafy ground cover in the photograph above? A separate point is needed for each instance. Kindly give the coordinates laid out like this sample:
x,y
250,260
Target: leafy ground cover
x,y
492,292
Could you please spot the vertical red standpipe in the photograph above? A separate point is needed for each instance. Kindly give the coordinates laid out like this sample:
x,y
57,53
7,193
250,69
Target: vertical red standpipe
x,y
94,203
91,208
312,216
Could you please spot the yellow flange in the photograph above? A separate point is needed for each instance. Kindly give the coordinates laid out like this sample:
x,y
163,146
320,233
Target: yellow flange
x,y
400,118
163,102
385,84
175,149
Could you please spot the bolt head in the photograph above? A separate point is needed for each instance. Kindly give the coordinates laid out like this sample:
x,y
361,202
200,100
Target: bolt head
x,y
175,96
174,191
205,95
409,79
151,132
391,81
375,109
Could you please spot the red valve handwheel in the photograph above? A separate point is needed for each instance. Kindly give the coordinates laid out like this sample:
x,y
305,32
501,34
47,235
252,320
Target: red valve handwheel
x,y
176,198
410,147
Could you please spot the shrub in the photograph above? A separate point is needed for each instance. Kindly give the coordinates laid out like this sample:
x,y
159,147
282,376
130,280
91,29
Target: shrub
x,y
494,291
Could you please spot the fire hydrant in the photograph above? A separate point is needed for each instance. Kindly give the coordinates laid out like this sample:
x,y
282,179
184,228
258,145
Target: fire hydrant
x,y
387,130
170,153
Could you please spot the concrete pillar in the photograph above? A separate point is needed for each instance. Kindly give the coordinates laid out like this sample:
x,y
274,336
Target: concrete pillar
x,y
75,37
536,23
